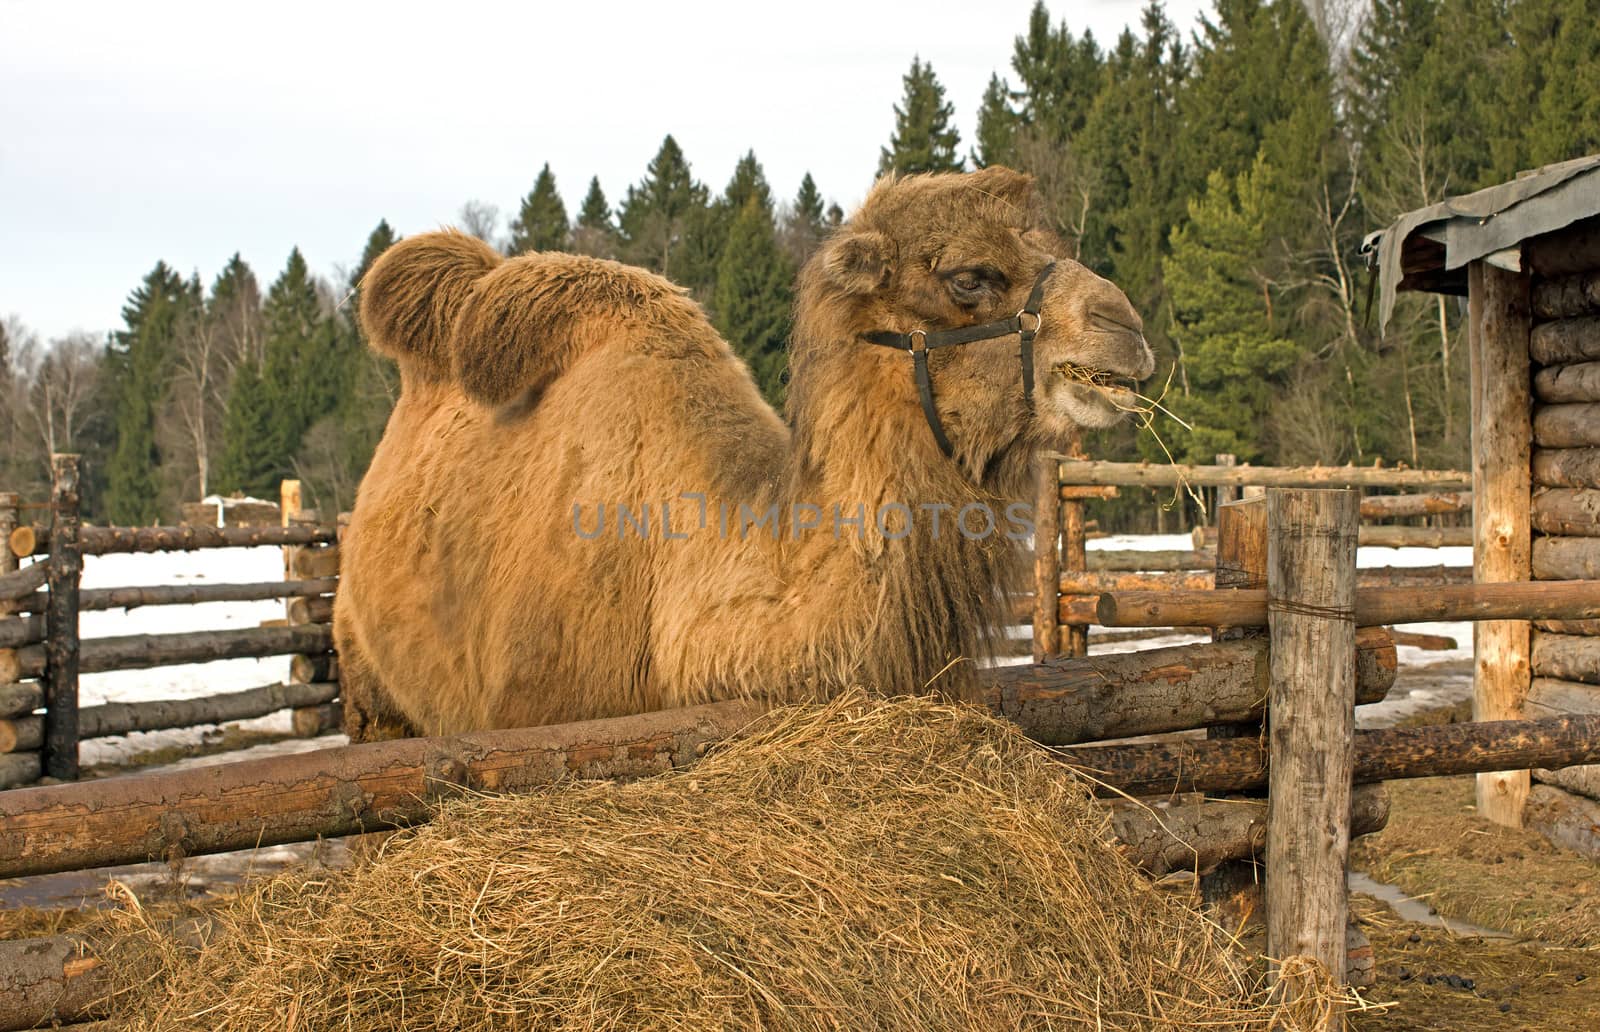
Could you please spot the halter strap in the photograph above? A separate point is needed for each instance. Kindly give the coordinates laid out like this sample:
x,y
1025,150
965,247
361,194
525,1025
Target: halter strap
x,y
1025,324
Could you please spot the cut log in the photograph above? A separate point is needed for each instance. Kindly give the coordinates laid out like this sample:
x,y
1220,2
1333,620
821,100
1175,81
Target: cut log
x,y
338,791
1426,642
1377,537
1567,467
1080,492
1566,341
11,664
1566,558
1141,474
1525,600
1415,537
311,721
139,651
310,669
1585,780
1574,248
316,562
317,610
1567,296
24,540
1568,626
1200,836
1427,503
52,981
1137,560
1565,819
20,699
120,718
1570,657
111,540
1097,583
1556,696
23,630
1158,690
1567,511
1566,384
98,599
1567,426
24,582
1387,754
21,734
17,769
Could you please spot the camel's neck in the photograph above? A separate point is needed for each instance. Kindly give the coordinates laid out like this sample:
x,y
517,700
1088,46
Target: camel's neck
x,y
918,548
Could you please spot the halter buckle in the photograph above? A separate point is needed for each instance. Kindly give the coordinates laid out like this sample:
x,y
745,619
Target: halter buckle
x,y
1038,322
918,339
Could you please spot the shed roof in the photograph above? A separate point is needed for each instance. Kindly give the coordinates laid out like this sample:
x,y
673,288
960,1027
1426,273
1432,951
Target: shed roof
x,y
1429,249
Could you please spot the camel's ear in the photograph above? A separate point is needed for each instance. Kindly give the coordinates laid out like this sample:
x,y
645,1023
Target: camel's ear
x,y
859,261
1004,183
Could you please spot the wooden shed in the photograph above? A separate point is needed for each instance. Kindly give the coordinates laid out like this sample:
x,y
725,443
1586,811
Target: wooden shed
x,y
1526,256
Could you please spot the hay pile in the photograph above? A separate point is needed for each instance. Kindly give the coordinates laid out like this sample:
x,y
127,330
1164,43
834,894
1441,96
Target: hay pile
x,y
866,864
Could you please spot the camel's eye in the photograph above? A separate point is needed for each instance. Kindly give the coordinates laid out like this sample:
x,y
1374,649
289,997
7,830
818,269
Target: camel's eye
x,y
973,285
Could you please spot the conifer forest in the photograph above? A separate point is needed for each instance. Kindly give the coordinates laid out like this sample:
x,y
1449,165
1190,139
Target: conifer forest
x,y
1223,174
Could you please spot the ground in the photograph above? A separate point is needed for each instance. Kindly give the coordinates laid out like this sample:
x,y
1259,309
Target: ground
x,y
1435,853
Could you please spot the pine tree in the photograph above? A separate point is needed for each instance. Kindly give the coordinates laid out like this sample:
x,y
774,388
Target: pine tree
x,y
654,213
1234,354
541,225
1550,87
804,223
1058,76
997,126
138,365
924,139
706,230
753,296
596,231
302,374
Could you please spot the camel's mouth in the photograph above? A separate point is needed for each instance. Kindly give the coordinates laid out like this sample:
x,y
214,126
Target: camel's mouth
x,y
1092,397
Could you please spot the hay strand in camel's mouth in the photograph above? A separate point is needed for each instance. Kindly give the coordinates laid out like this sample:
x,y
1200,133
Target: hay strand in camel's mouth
x,y
893,865
1121,393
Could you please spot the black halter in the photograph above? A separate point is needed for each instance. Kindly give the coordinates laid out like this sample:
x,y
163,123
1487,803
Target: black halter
x,y
920,342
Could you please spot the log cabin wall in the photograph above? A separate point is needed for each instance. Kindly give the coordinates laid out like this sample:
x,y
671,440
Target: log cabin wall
x,y
1564,345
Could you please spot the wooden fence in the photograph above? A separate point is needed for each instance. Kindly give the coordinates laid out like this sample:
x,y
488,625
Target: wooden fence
x,y
1069,578
41,656
1290,645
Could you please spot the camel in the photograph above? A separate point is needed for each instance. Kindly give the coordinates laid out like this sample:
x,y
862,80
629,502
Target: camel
x,y
582,507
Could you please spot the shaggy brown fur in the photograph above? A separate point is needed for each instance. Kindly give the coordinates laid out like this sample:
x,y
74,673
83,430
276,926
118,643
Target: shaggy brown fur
x,y
469,601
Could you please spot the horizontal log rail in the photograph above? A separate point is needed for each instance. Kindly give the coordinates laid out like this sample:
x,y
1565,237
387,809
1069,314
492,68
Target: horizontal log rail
x,y
24,582
1374,536
96,599
19,733
1132,560
1424,503
35,539
1522,600
139,651
25,630
1389,754
378,785
1139,474
1158,690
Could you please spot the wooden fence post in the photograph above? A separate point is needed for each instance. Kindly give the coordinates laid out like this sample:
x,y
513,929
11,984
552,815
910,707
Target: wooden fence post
x,y
1046,559
1311,585
1074,541
1225,492
61,643
1502,548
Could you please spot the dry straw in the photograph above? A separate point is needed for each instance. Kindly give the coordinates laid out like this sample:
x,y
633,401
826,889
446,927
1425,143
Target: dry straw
x,y
860,865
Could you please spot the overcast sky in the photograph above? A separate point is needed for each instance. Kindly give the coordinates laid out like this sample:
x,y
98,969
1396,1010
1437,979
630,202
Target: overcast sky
x,y
138,130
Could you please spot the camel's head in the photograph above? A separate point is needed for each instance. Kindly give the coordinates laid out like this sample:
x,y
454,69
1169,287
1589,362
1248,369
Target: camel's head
x,y
940,252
